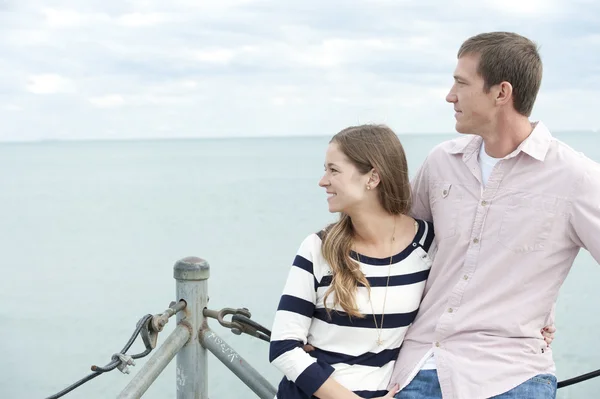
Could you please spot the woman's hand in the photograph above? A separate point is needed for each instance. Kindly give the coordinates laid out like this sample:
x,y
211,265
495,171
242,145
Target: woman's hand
x,y
391,393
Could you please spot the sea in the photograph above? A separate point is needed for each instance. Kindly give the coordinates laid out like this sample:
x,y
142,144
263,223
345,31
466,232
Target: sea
x,y
90,231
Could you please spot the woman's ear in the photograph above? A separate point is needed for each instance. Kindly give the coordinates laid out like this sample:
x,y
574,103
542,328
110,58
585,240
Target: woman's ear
x,y
374,179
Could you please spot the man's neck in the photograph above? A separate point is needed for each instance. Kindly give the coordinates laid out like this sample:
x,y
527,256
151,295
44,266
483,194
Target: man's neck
x,y
506,136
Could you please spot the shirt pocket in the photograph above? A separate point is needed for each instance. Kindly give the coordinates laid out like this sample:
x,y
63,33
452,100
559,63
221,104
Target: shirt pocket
x,y
445,206
527,222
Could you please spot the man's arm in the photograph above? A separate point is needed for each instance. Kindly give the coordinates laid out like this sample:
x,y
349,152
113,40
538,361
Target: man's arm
x,y
420,193
585,212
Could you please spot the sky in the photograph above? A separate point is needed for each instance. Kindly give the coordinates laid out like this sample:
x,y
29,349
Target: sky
x,y
118,69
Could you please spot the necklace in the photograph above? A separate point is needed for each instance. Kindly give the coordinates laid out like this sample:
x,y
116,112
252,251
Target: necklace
x,y
379,328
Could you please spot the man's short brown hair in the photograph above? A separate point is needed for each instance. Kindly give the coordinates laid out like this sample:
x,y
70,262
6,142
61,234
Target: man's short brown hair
x,y
506,56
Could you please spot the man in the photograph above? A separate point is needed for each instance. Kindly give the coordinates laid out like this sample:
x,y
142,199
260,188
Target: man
x,y
511,206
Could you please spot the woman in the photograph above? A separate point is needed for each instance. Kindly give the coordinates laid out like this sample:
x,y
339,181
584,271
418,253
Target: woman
x,y
354,287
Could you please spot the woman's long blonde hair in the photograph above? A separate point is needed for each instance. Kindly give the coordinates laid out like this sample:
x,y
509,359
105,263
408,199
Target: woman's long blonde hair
x,y
367,147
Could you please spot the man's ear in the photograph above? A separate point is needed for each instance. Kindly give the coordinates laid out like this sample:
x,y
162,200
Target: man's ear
x,y
505,92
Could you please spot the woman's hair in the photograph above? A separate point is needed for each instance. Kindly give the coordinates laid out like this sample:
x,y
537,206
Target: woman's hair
x,y
367,147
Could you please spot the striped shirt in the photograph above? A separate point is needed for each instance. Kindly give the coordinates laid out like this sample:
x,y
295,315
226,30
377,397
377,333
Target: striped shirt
x,y
346,349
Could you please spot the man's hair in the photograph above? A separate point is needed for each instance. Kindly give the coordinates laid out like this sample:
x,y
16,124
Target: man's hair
x,y
508,57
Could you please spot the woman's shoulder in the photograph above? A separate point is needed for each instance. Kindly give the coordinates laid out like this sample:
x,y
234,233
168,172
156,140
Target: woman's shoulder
x,y
420,221
311,244
425,236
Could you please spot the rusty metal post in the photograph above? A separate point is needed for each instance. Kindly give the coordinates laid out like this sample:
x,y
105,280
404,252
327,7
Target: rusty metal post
x,y
156,364
234,362
192,276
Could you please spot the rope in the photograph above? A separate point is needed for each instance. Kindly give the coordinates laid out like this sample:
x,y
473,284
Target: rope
x,y
149,326
581,378
118,359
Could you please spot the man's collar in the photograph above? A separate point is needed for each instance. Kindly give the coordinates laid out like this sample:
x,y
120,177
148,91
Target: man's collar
x,y
538,142
535,145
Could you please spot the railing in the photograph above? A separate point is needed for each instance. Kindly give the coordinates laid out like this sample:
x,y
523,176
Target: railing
x,y
189,342
192,338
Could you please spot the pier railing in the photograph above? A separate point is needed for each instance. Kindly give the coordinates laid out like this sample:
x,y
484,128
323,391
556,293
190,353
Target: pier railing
x,y
190,342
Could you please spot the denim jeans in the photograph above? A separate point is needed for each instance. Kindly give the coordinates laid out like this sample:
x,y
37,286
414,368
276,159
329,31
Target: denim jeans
x,y
426,386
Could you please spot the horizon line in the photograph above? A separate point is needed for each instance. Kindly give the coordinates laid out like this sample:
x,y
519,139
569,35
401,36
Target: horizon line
x,y
293,136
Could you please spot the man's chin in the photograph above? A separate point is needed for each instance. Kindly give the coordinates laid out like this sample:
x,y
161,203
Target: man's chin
x,y
462,129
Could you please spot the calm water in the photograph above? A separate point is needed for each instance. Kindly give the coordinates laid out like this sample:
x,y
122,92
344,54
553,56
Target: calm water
x,y
89,233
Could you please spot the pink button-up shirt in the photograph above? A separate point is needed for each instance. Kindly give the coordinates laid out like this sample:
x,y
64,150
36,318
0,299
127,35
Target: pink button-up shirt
x,y
504,250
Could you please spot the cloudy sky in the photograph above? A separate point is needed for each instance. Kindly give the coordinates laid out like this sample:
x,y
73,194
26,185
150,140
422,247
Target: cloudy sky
x,y
112,69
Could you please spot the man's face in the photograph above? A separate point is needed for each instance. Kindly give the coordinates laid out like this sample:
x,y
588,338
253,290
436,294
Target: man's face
x,y
475,109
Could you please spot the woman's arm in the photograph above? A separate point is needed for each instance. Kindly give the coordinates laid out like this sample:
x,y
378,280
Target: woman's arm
x,y
332,389
292,322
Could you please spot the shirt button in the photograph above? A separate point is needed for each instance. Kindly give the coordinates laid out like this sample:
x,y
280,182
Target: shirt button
x,y
475,240
484,203
437,344
450,310
445,192
465,277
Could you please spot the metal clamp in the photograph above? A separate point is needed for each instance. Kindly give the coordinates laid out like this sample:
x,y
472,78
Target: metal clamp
x,y
156,324
250,327
126,360
240,322
220,316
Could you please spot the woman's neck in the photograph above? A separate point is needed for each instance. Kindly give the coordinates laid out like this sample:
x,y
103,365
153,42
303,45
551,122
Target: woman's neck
x,y
374,228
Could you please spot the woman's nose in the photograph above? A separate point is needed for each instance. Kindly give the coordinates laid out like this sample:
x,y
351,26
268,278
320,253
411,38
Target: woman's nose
x,y
323,182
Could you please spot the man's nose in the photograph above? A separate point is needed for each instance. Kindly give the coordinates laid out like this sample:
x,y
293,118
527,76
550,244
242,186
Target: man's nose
x,y
451,97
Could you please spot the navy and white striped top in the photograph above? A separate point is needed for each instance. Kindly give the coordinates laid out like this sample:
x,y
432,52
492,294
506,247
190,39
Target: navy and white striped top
x,y
346,348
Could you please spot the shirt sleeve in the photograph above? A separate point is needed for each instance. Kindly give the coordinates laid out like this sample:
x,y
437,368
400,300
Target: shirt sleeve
x,y
585,212
292,322
421,208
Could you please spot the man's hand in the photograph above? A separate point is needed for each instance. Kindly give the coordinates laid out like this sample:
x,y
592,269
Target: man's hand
x,y
308,348
548,334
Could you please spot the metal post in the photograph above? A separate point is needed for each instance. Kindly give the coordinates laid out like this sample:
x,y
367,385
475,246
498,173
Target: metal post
x,y
192,368
156,364
234,362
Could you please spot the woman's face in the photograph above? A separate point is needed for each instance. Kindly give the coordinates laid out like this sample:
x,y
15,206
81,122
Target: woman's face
x,y
345,185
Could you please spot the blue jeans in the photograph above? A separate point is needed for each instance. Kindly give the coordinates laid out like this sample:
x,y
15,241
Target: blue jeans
x,y
426,386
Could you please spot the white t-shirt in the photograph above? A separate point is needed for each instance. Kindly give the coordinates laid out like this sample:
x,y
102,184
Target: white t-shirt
x,y
486,163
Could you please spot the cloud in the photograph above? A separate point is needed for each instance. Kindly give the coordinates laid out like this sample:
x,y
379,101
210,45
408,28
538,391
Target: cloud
x,y
140,19
107,101
69,18
12,108
149,68
49,84
529,8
